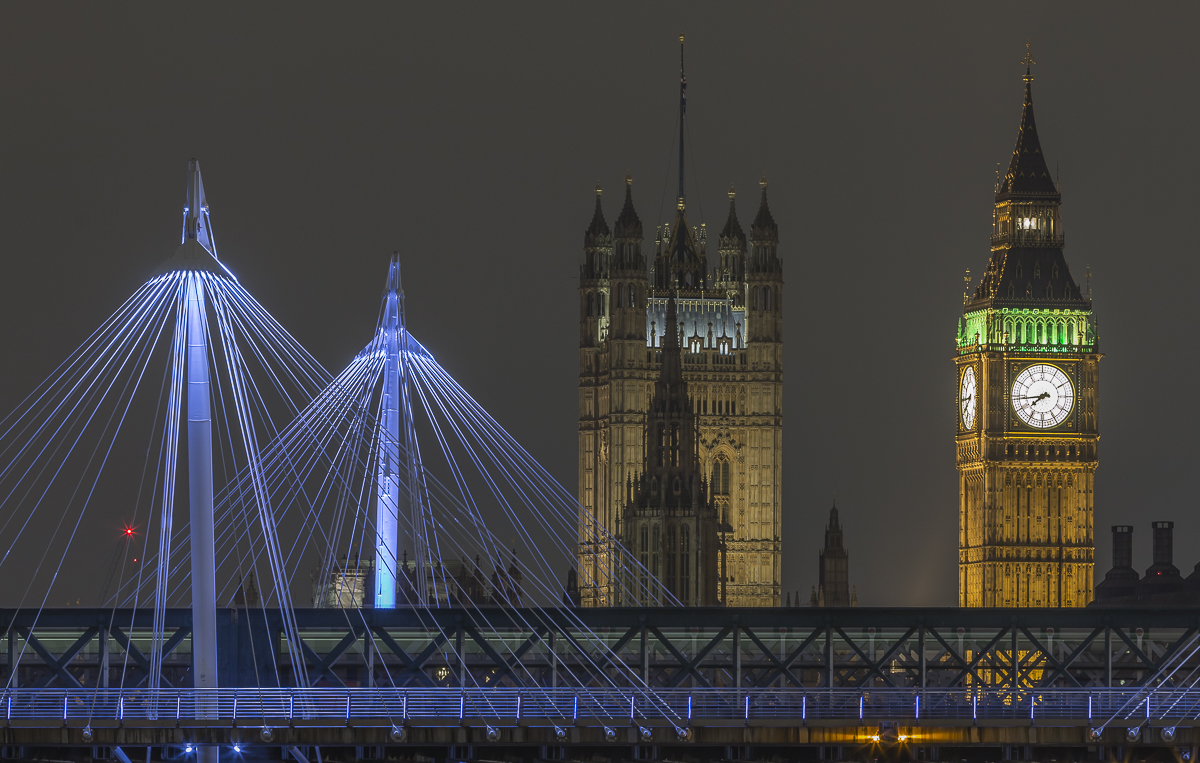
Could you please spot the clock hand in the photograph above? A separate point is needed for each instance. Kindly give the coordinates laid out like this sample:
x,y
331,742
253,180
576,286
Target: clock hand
x,y
1034,398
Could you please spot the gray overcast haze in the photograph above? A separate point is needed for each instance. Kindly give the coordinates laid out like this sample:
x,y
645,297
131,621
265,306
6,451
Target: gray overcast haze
x,y
469,138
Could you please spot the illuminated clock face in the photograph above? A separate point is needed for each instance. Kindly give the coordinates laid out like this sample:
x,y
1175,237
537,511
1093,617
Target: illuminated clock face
x,y
966,398
1042,396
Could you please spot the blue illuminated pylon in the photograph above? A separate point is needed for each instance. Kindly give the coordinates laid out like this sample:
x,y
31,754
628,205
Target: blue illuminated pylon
x,y
197,242
397,484
398,470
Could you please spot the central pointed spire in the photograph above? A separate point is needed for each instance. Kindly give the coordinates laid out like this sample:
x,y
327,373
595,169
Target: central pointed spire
x,y
1027,177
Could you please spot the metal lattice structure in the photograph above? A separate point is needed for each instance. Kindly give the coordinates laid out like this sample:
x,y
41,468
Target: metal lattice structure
x,y
854,649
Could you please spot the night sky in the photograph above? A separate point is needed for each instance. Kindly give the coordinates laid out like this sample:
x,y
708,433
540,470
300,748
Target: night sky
x,y
470,137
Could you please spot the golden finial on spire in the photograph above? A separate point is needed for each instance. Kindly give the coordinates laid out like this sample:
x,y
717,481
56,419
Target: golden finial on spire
x,y
763,183
681,38
732,192
599,190
1028,61
628,177
680,205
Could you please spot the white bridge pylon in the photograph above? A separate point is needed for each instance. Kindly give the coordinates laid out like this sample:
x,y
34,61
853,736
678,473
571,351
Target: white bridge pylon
x,y
396,465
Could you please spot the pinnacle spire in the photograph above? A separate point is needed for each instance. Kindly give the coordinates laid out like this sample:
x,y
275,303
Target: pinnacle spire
x,y
1027,176
628,224
598,231
764,227
732,234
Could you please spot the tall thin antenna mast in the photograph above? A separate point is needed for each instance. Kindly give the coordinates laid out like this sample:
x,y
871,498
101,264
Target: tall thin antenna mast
x,y
682,112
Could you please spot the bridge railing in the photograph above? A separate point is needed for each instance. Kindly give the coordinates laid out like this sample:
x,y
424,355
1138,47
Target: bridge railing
x,y
680,708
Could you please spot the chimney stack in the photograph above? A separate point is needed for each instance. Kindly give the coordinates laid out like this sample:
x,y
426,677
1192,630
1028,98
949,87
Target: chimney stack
x,y
1122,546
1119,587
1163,542
1162,577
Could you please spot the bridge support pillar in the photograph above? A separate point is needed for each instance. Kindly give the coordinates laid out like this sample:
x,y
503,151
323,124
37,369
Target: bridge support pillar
x,y
737,656
102,657
200,490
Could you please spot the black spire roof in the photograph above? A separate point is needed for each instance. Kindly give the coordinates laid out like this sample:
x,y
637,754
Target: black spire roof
x,y
731,234
597,232
1028,272
764,227
1028,177
628,224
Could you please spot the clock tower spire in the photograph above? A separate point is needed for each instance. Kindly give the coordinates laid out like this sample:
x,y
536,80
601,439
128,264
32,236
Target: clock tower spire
x,y
1027,360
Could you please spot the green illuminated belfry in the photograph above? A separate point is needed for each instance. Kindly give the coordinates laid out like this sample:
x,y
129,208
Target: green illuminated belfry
x,y
1027,432
1027,275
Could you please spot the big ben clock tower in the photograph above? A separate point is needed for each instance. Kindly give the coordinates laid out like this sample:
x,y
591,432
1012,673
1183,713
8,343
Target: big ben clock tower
x,y
1028,393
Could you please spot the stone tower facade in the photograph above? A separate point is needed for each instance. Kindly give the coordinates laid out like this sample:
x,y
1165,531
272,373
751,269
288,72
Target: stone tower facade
x,y
1027,359
729,326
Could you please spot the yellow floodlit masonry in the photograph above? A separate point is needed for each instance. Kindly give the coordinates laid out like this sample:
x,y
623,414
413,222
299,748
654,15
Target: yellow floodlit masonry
x,y
1027,358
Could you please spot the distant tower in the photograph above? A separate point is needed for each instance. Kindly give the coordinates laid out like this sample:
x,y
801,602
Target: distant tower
x,y
1027,438
835,565
729,330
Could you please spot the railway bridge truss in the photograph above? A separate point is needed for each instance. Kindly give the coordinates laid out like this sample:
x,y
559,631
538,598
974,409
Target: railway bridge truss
x,y
500,683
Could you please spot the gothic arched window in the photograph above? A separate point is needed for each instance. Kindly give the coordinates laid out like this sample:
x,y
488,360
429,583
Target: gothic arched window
x,y
654,546
591,304
644,549
754,297
632,296
671,558
720,476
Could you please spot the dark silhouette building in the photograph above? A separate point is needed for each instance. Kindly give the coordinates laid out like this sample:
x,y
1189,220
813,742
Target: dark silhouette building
x,y
834,569
1162,585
